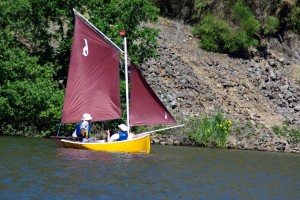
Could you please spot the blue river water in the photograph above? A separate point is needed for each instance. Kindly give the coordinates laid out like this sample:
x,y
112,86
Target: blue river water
x,y
38,169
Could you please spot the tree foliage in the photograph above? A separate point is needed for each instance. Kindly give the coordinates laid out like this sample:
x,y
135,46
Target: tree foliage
x,y
233,35
213,32
271,25
249,21
35,44
295,17
30,98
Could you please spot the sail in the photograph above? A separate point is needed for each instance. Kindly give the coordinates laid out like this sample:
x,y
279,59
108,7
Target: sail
x,y
93,78
145,106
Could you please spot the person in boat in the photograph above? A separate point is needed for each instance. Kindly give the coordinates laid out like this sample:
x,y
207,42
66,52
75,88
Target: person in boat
x,y
122,134
83,128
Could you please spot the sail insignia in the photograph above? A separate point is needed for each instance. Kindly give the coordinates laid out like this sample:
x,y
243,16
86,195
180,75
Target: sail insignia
x,y
85,50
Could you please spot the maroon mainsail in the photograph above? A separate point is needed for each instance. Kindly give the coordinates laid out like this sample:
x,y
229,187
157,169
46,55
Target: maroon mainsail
x,y
145,107
93,79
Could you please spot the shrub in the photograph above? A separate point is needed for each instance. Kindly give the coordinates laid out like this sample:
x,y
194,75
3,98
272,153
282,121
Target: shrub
x,y
210,131
271,25
238,41
201,7
295,16
293,134
245,19
212,32
218,36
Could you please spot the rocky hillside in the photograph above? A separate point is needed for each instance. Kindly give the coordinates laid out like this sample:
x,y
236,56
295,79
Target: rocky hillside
x,y
262,90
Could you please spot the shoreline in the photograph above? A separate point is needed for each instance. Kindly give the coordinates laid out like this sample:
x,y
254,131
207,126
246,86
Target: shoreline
x,y
260,142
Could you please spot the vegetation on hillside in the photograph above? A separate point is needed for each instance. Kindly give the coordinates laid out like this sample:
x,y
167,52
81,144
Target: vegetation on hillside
x,y
209,131
233,26
292,134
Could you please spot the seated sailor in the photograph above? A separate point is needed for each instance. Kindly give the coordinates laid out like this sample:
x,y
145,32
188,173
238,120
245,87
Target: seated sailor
x,y
83,128
122,134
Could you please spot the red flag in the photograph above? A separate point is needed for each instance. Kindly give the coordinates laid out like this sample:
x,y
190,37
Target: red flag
x,y
122,32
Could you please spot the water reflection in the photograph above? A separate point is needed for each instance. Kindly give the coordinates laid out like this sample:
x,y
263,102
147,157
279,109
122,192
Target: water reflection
x,y
98,156
78,154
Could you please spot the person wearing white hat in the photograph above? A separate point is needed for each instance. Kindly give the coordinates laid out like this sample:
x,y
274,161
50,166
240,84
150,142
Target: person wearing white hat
x,y
122,134
83,128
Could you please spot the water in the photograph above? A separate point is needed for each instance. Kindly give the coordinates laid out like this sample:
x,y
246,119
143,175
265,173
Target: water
x,y
38,169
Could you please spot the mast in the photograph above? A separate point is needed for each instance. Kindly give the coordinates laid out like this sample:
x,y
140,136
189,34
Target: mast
x,y
126,83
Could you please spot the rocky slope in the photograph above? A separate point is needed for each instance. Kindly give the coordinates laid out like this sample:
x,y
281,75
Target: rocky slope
x,y
262,90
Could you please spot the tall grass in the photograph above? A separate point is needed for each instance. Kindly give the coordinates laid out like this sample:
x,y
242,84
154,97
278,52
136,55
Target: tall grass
x,y
209,131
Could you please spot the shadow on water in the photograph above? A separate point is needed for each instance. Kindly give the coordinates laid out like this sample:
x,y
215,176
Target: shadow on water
x,y
38,169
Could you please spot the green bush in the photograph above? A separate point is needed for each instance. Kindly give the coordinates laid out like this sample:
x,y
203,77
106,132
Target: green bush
x,y
217,35
245,19
293,134
209,131
201,7
295,18
271,25
238,41
212,32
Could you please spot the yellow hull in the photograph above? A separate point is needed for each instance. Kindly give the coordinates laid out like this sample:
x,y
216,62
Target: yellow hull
x,y
139,144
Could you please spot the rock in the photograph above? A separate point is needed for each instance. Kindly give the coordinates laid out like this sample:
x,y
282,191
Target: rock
x,y
170,141
295,150
208,61
297,108
287,149
281,59
155,141
260,148
284,87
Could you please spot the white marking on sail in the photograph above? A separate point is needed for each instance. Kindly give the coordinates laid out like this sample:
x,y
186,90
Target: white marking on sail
x,y
166,116
85,50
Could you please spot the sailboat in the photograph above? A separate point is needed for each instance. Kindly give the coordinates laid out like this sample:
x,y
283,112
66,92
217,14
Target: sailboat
x,y
93,87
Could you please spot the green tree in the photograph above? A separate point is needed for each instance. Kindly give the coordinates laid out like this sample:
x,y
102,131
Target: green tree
x,y
130,15
35,44
30,101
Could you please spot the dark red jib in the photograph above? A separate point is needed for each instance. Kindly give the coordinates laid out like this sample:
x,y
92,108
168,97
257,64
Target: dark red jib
x,y
145,107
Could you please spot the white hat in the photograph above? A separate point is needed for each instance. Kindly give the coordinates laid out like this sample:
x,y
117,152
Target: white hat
x,y
86,117
122,127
